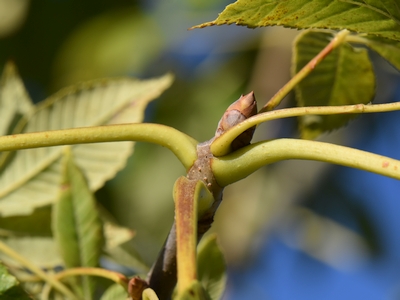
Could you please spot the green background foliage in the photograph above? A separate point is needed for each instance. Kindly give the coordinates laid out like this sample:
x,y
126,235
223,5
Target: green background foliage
x,y
58,43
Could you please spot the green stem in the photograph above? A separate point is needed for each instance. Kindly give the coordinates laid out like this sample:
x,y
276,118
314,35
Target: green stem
x,y
240,164
34,269
114,276
99,272
182,145
221,145
307,69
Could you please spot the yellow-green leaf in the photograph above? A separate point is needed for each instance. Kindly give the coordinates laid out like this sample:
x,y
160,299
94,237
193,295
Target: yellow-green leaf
x,y
32,176
344,77
377,17
76,223
77,227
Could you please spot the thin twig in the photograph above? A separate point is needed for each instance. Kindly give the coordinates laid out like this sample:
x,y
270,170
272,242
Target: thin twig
x,y
221,145
307,69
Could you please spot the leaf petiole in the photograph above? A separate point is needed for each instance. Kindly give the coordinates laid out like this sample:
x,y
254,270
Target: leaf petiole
x,y
99,272
182,145
240,164
221,145
307,69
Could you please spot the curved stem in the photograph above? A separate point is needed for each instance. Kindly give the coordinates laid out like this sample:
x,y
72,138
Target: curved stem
x,y
240,164
221,145
114,276
99,272
182,145
36,270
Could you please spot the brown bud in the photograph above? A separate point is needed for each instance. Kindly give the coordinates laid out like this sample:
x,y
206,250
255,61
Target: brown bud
x,y
242,109
136,286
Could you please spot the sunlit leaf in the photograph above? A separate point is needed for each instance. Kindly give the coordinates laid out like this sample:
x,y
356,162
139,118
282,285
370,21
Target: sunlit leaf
x,y
32,177
344,77
14,99
115,292
76,223
377,17
9,286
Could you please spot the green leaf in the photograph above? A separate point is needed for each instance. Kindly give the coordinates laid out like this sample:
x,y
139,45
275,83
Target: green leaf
x,y
344,77
14,99
115,292
76,223
7,281
31,178
211,267
9,286
388,49
377,17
